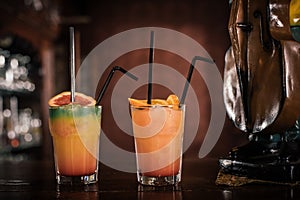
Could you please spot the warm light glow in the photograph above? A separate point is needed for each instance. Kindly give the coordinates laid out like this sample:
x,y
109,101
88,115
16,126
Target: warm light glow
x,y
2,61
15,143
28,137
9,76
11,134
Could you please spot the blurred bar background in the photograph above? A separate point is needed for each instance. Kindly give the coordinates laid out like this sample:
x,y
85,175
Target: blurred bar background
x,y
34,62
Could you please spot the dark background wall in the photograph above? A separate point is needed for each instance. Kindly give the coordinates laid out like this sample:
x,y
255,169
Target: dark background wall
x,y
204,21
95,21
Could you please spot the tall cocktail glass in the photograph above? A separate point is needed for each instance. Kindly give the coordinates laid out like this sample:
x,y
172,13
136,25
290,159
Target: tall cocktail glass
x,y
75,131
158,134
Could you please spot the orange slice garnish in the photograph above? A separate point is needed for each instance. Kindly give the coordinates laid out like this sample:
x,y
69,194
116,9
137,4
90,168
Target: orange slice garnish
x,y
173,100
138,102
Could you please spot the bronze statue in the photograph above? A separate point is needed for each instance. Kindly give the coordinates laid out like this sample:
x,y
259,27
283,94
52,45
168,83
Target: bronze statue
x,y
262,89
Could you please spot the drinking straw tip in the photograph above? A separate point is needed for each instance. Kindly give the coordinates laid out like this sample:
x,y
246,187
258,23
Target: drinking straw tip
x,y
151,58
190,73
108,79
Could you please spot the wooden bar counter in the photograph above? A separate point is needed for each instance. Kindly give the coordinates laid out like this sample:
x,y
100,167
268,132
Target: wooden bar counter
x,y
22,178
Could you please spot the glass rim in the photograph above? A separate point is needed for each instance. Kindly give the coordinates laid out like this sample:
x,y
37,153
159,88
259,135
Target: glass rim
x,y
77,105
158,105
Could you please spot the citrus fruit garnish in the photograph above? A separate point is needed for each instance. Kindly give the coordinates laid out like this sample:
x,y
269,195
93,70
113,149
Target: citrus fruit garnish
x,y
64,98
171,100
158,102
137,102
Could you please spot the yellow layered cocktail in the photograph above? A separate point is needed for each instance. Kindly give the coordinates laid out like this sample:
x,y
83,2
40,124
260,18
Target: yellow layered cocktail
x,y
158,132
75,131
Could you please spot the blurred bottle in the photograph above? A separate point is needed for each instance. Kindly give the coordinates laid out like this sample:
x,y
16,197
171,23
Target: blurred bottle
x,y
295,19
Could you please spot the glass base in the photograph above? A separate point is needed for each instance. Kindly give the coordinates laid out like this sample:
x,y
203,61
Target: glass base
x,y
159,180
77,180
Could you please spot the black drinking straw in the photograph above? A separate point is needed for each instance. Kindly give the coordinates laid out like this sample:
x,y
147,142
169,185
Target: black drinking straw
x,y
111,73
189,76
151,57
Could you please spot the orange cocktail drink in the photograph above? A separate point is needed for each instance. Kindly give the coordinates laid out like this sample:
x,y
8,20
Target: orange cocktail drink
x,y
75,131
158,132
